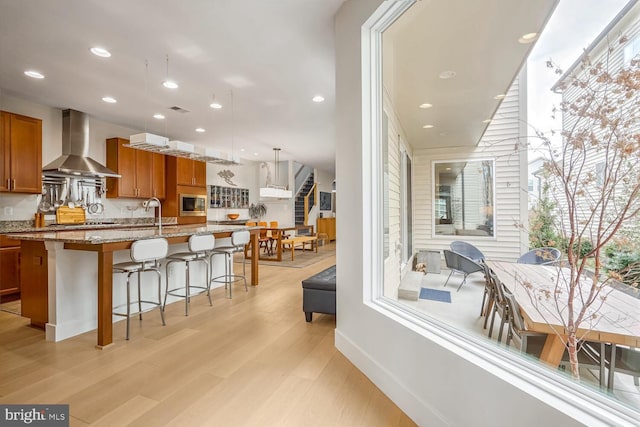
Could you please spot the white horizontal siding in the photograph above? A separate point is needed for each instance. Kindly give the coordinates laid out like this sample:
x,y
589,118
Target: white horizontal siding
x,y
501,142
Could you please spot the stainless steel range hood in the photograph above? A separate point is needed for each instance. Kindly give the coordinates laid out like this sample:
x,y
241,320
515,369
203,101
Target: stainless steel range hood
x,y
75,160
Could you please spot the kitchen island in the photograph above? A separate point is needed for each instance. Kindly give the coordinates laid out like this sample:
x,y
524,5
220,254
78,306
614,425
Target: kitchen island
x,y
77,267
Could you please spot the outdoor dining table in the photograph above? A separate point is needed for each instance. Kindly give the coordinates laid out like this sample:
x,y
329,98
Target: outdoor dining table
x,y
617,320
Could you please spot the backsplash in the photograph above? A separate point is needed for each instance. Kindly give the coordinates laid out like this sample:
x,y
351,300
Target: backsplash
x,y
18,207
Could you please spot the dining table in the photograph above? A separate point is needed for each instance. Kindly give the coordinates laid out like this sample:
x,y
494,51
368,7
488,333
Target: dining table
x,y
276,236
540,290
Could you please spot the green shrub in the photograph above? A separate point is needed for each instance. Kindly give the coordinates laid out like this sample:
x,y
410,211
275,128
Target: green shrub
x,y
625,264
542,224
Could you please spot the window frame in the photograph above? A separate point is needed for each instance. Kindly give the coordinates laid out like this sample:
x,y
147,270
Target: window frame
x,y
581,403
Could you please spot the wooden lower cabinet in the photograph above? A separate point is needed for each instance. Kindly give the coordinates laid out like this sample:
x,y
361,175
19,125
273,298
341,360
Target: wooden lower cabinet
x,y
328,227
34,282
9,274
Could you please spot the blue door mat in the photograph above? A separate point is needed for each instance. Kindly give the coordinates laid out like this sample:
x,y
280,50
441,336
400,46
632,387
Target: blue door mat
x,y
435,295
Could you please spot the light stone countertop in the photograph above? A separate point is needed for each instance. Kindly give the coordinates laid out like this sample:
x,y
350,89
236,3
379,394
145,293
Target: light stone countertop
x,y
114,235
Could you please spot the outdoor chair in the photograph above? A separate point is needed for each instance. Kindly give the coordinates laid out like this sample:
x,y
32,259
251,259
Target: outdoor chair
x,y
540,256
460,264
517,329
626,361
468,250
499,305
487,296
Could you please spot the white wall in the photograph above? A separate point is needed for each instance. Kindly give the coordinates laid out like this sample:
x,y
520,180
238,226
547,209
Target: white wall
x,y
245,176
431,383
324,182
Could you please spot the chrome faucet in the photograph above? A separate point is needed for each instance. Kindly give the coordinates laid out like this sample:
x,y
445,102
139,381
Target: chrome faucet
x,y
154,203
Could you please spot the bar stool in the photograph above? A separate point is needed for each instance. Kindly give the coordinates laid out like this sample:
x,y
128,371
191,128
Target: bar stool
x,y
199,248
238,241
145,256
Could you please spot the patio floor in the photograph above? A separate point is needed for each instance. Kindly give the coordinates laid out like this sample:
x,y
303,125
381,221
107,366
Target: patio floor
x,y
464,313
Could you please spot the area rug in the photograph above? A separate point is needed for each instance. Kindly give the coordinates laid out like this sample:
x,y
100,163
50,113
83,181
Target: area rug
x,y
435,295
301,259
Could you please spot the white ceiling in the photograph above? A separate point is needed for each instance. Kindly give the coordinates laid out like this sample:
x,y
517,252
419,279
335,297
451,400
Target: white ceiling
x,y
478,40
274,55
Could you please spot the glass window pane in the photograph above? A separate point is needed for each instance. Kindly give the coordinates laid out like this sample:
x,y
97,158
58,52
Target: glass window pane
x,y
463,198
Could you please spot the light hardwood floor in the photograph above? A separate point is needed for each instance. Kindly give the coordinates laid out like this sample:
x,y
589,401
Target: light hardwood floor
x,y
250,361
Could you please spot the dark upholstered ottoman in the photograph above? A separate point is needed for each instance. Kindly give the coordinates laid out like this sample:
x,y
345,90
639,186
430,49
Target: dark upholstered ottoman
x,y
319,293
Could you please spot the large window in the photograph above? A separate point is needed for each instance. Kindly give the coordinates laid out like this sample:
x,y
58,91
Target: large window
x,y
447,189
463,198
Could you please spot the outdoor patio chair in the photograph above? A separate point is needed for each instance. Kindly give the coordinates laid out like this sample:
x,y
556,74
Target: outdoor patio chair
x,y
487,296
540,256
499,306
626,361
517,329
460,264
468,250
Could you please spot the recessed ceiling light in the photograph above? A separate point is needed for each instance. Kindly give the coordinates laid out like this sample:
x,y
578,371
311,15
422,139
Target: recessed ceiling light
x,y
215,105
486,121
447,74
427,126
448,169
158,116
170,84
201,130
318,98
528,38
425,106
109,99
242,149
255,154
101,52
500,96
34,74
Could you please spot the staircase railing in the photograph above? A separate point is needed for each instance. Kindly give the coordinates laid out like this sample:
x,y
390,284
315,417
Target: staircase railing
x,y
301,177
309,202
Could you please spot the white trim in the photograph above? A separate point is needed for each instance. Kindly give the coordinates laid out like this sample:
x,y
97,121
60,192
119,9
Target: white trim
x,y
581,403
425,414
578,402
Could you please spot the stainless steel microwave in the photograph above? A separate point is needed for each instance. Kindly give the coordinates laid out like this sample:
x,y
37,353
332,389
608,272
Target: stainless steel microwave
x,y
193,205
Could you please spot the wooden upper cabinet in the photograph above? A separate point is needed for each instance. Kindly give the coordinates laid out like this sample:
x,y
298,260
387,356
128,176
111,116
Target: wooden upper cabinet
x,y
5,151
123,161
184,171
141,172
159,176
144,173
199,173
20,153
191,172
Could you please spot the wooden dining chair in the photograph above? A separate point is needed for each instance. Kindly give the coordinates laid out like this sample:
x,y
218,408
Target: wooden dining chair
x,y
263,238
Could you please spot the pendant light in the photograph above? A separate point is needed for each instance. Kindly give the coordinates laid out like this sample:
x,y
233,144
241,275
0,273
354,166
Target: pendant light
x,y
168,83
275,190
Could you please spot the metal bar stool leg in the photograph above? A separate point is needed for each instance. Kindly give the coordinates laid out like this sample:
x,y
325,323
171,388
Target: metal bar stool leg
x,y
208,276
160,297
128,303
226,274
244,273
187,298
139,298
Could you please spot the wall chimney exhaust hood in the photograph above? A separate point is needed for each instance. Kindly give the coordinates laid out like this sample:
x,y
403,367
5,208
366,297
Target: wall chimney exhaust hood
x,y
75,160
